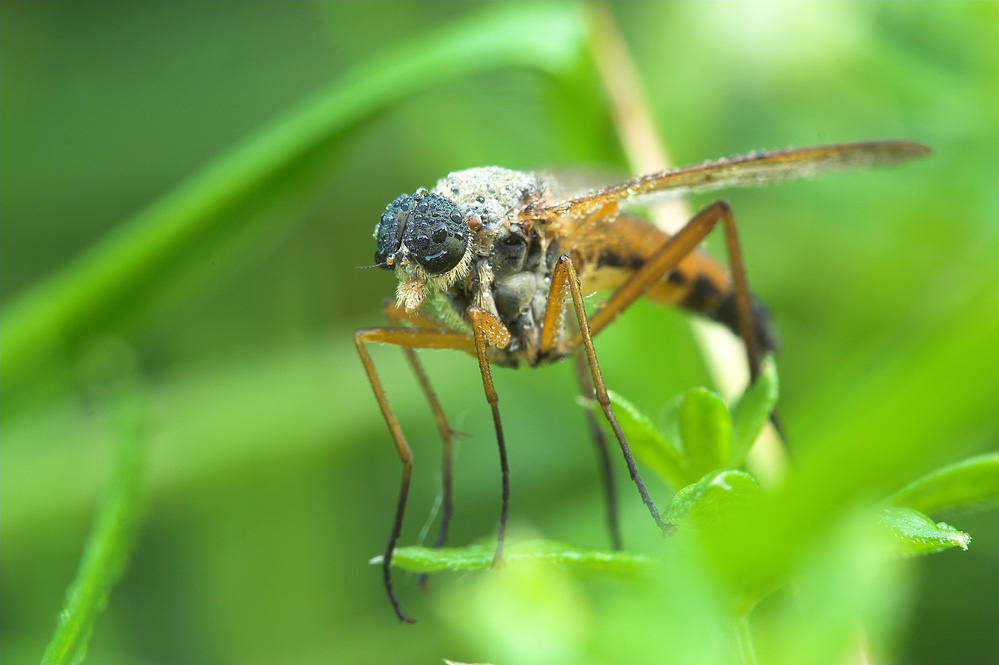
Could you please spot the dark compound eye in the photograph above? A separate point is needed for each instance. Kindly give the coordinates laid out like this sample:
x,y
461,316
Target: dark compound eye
x,y
442,226
430,226
388,233
419,244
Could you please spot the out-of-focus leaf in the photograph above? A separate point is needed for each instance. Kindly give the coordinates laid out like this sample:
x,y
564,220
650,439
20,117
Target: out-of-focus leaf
x,y
915,533
134,260
649,445
973,481
711,497
477,557
706,431
754,407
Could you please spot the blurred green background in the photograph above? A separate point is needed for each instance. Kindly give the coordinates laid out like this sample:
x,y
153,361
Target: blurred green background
x,y
271,476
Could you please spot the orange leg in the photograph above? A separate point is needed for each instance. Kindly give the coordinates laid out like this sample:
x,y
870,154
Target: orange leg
x,y
408,339
565,275
396,316
486,326
659,264
487,329
666,259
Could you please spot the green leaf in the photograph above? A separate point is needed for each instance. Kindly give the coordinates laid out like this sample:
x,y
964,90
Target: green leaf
x,y
915,533
705,430
479,557
973,481
751,412
649,445
712,497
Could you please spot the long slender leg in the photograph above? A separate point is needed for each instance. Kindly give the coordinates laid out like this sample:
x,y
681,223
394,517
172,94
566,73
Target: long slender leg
x,y
447,437
406,338
565,274
483,324
743,301
666,258
447,434
603,454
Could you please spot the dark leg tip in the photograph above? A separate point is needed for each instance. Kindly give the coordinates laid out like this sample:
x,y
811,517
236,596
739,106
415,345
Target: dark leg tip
x,y
403,617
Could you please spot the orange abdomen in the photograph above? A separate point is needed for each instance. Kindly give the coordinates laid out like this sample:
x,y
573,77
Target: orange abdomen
x,y
698,284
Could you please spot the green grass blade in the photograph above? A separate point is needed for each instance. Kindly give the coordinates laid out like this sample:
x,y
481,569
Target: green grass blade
x,y
973,481
109,545
130,263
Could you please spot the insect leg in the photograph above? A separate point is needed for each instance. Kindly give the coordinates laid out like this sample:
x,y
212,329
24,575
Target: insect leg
x,y
603,454
565,274
409,339
667,258
743,301
447,434
484,323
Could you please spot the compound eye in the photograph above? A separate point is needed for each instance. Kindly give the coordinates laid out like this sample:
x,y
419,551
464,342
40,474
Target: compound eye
x,y
438,235
390,229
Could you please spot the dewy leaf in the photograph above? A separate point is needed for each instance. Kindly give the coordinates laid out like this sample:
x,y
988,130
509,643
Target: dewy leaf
x,y
705,430
753,409
478,557
649,445
973,481
711,497
915,533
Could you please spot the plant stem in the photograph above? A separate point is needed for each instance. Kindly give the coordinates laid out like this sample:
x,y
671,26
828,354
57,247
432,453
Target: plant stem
x,y
744,640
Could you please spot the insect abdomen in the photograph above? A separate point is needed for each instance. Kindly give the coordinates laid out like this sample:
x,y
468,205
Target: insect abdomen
x,y
705,298
698,284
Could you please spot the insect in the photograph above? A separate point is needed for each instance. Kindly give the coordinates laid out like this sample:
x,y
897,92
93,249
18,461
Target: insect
x,y
489,261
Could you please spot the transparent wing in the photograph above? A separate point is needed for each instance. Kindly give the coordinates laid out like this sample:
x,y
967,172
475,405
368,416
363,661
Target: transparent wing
x,y
757,168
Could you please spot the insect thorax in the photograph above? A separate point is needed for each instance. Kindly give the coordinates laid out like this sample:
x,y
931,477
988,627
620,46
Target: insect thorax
x,y
511,263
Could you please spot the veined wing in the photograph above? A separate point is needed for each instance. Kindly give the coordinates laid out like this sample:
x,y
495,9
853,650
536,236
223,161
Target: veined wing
x,y
756,168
